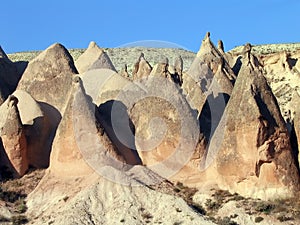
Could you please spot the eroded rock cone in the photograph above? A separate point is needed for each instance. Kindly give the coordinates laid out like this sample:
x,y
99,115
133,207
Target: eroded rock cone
x,y
209,74
142,68
104,86
13,138
48,77
161,69
250,151
38,130
178,69
214,58
166,129
80,140
124,72
93,58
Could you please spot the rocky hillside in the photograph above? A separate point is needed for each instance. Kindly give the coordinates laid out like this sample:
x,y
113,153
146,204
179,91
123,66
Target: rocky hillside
x,y
122,56
174,137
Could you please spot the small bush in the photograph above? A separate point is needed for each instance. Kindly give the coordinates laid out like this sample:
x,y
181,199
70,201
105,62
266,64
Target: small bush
x,y
212,205
226,221
264,207
283,218
258,219
18,220
198,208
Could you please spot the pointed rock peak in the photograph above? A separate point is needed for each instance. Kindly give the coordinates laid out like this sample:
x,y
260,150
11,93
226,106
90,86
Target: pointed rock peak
x,y
56,49
207,47
2,53
221,46
93,58
142,57
178,65
92,44
249,60
52,70
103,62
142,68
247,48
94,48
207,36
53,56
165,61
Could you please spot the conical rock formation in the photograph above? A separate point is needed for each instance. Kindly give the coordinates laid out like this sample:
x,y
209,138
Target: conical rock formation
x,y
209,74
13,138
80,142
93,58
38,130
142,68
48,77
250,152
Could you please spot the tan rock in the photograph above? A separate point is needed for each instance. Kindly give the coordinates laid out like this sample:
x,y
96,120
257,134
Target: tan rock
x,y
38,129
13,138
178,70
104,86
166,130
124,72
48,77
209,74
142,68
29,109
252,137
93,58
161,69
81,145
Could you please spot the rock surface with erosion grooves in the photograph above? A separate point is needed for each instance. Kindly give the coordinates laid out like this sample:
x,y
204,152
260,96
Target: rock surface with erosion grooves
x,y
209,74
93,58
38,129
142,68
99,196
95,200
252,137
81,143
12,134
48,77
104,86
166,130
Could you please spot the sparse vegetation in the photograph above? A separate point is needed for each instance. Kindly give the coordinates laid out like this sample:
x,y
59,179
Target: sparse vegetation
x,y
19,219
258,219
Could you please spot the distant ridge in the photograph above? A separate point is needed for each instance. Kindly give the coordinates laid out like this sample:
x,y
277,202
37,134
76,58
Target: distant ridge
x,y
269,48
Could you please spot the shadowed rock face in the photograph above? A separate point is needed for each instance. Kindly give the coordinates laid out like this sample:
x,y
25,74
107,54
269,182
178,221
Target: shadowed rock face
x,y
13,138
209,74
166,130
80,140
48,78
251,146
9,76
37,129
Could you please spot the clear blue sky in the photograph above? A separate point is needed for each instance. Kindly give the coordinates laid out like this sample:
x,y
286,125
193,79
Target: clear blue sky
x,y
36,24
